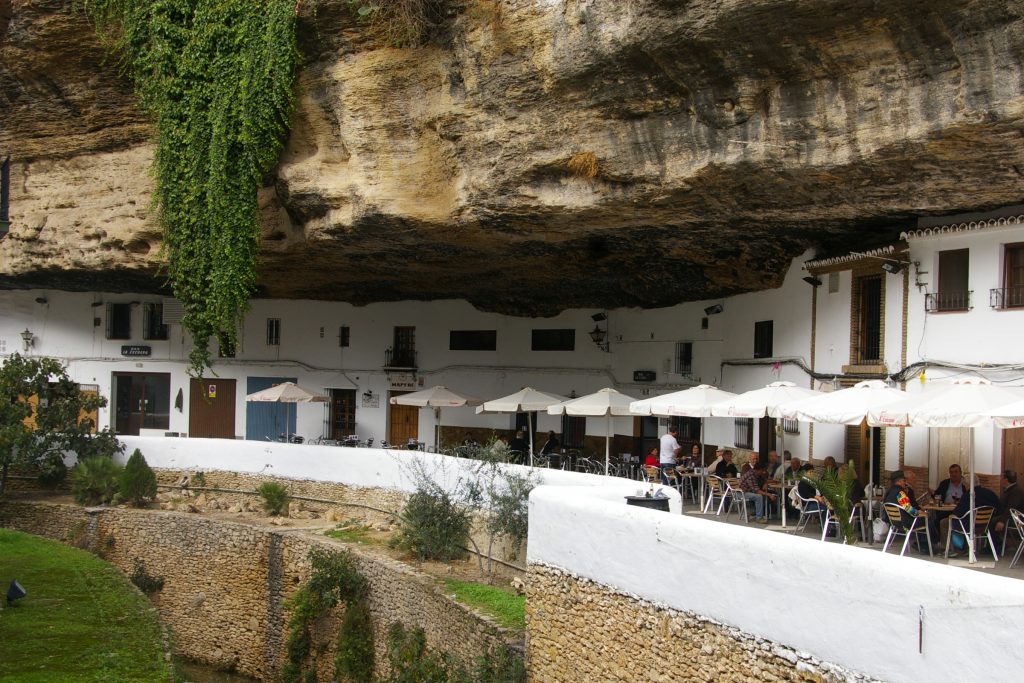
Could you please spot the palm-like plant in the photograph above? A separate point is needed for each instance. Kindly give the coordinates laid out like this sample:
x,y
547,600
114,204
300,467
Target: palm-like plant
x,y
836,487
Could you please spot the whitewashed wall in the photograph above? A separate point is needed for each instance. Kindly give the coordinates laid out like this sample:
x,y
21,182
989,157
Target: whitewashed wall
x,y
845,605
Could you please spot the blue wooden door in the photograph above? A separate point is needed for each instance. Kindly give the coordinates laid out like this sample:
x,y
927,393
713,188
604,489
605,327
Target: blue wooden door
x,y
265,420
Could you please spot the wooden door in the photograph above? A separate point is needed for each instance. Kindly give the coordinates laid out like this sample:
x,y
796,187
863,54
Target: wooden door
x,y
1013,450
403,422
765,437
211,408
952,446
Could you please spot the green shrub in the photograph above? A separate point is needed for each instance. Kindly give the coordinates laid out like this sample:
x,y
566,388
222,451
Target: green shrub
x,y
502,665
275,497
95,481
142,579
434,526
138,481
334,579
52,471
353,660
410,662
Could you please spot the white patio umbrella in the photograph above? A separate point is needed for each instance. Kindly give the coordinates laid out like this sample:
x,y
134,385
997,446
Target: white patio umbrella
x,y
435,397
526,400
1009,416
604,403
761,403
693,402
286,392
848,406
965,402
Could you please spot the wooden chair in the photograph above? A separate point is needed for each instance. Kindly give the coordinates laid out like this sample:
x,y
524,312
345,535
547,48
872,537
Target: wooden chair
x,y
982,532
896,528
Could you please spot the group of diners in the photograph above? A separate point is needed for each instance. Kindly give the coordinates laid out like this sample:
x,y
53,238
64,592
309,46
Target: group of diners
x,y
953,492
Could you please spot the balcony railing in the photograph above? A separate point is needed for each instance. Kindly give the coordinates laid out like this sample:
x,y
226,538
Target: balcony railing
x,y
400,358
946,302
1006,297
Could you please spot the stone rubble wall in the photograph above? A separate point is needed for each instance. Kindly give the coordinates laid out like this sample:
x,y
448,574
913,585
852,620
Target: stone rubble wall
x,y
376,507
579,630
226,584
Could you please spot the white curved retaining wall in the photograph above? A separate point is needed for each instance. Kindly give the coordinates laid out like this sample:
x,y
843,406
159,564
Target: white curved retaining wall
x,y
361,467
849,606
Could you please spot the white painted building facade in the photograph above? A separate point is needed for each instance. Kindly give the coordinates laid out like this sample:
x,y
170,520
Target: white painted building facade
x,y
113,342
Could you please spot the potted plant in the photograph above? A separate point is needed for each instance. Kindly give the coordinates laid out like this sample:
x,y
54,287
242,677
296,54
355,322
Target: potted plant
x,y
835,486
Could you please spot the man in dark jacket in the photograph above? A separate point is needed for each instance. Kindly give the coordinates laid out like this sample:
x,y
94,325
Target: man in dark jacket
x,y
1013,497
982,497
899,494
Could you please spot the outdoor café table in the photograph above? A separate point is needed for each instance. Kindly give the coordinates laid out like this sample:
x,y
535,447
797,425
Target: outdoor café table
x,y
939,508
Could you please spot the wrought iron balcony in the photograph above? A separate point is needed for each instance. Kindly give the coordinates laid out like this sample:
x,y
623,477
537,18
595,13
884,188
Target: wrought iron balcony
x,y
947,302
1006,297
400,358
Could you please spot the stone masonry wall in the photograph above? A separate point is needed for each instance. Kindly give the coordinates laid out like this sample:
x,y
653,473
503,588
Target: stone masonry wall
x,y
226,584
371,505
580,631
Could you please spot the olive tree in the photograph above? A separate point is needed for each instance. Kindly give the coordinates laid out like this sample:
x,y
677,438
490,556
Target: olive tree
x,y
36,434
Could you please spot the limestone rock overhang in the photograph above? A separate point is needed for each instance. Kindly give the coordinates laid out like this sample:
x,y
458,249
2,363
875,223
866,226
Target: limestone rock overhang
x,y
534,157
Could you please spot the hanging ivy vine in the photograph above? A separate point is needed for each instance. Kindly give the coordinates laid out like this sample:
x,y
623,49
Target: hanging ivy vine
x,y
217,76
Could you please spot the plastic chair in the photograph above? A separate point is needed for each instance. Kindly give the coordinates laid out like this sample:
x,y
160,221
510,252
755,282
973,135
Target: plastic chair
x,y
896,528
1017,518
982,532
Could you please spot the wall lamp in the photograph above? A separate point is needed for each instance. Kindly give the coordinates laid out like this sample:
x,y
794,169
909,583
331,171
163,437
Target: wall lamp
x,y
368,395
714,310
892,267
41,300
27,339
599,336
813,281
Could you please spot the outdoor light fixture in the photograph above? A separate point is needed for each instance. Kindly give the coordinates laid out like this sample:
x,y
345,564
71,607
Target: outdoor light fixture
x,y
599,335
813,281
714,310
27,339
41,300
368,395
15,592
892,267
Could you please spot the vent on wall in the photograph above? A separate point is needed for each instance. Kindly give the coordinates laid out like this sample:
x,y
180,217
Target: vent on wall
x,y
174,311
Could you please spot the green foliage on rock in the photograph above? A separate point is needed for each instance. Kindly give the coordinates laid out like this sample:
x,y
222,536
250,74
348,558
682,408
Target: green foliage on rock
x,y
334,580
35,434
138,480
275,497
95,481
353,658
403,23
217,76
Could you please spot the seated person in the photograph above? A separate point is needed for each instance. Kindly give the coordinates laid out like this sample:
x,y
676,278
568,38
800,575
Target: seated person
x,y
899,495
772,466
813,501
719,456
551,445
652,458
791,471
752,484
1013,497
951,490
726,468
519,446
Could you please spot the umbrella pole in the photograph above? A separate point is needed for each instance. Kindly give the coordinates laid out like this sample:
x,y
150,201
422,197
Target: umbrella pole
x,y
703,473
782,487
871,475
529,424
607,443
972,556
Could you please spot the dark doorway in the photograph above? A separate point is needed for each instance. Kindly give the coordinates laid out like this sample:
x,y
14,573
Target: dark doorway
x,y
142,400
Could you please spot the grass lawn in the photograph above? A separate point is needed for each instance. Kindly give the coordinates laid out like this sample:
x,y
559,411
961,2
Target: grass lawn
x,y
81,620
501,603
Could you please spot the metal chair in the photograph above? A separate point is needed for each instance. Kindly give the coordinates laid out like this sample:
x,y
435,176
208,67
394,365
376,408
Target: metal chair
x,y
736,498
856,520
1017,517
716,487
686,483
652,474
810,508
982,532
896,528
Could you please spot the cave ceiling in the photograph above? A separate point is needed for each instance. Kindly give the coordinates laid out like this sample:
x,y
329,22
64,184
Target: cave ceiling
x,y
538,156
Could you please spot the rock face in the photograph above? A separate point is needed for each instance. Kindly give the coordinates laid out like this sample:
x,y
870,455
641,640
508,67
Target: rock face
x,y
537,155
